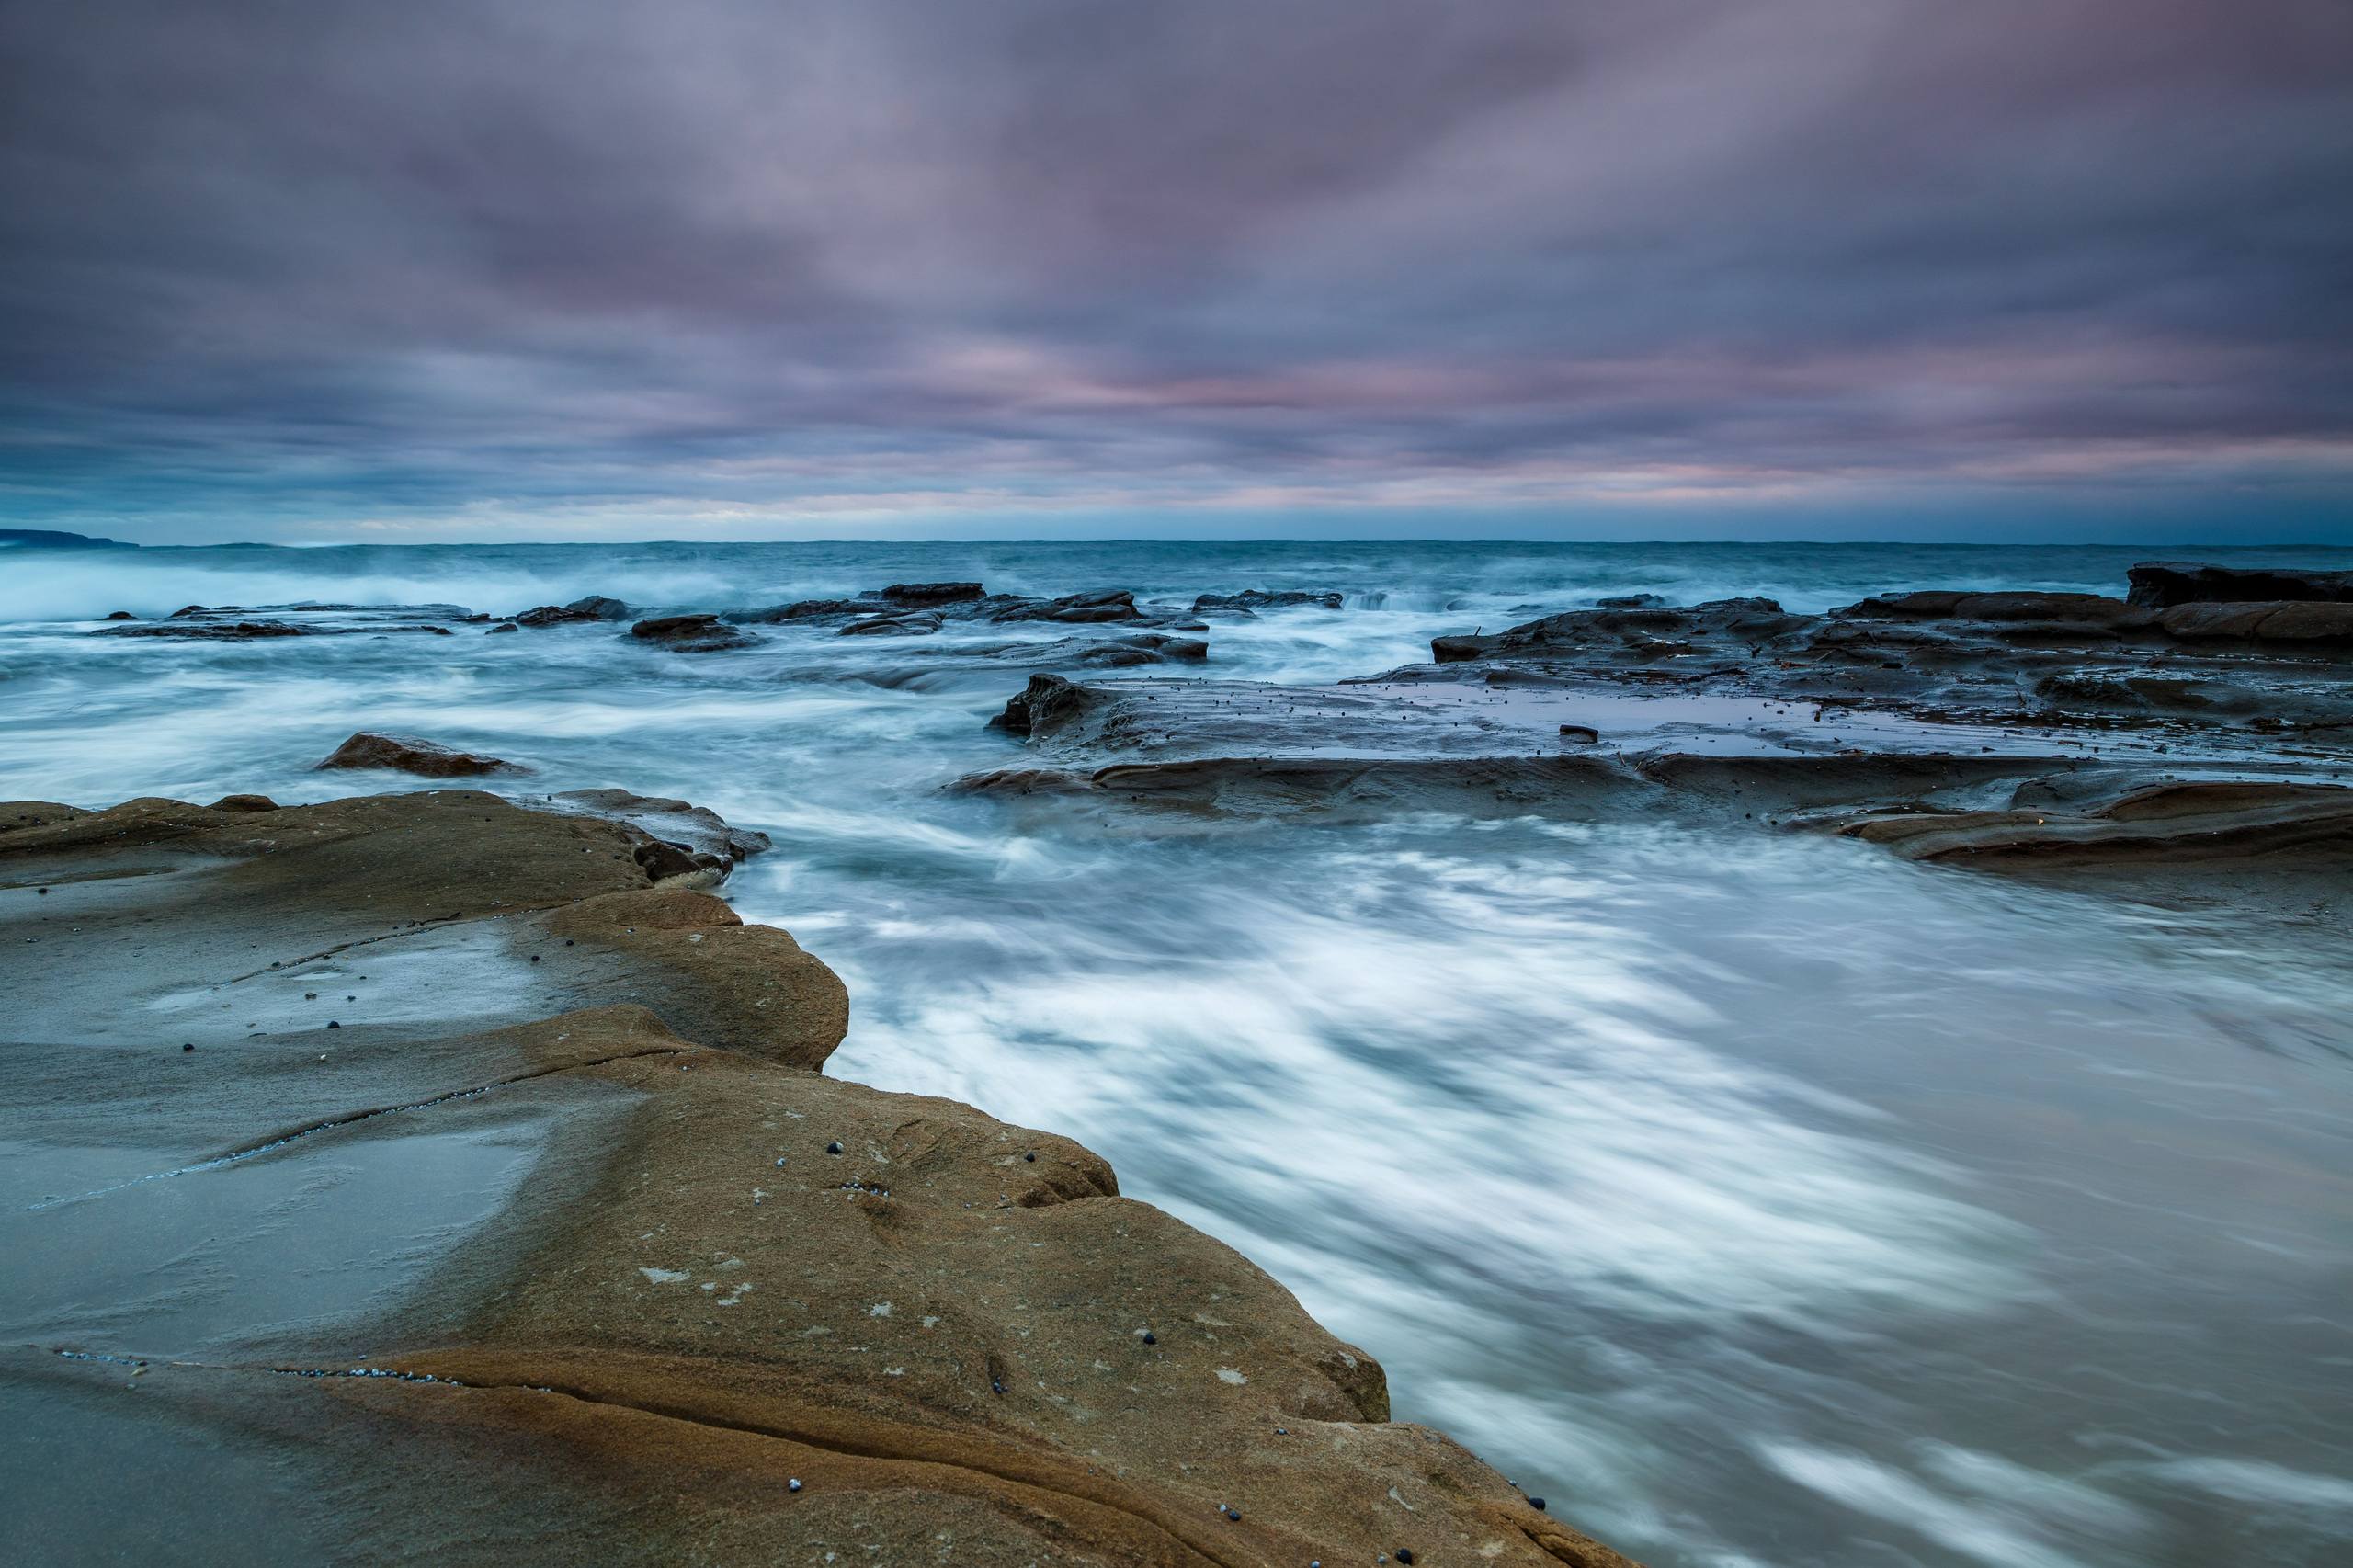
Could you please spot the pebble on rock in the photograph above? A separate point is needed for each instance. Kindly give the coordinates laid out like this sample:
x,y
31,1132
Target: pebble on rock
x,y
187,1045
333,1025
1537,1504
833,1148
1406,1554
1150,1337
793,1485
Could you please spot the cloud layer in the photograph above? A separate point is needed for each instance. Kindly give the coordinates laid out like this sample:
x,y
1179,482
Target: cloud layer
x,y
312,267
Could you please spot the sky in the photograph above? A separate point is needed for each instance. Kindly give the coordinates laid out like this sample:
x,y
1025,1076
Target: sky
x,y
317,270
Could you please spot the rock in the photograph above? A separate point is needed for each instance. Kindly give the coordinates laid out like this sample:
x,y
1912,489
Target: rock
x,y
696,828
502,626
244,803
120,615
663,860
1631,601
931,592
1109,605
2307,623
559,1371
692,635
211,630
407,754
800,610
1581,735
1255,599
2163,583
596,606
1142,648
1045,702
918,623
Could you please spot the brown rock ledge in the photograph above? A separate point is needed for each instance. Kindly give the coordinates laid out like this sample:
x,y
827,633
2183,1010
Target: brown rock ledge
x,y
722,1274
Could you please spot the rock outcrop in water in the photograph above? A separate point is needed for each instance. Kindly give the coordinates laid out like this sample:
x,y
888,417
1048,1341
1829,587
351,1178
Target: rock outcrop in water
x,y
691,635
594,608
733,1309
2164,583
407,754
2200,752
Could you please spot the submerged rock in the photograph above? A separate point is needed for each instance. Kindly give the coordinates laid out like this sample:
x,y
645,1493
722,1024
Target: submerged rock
x,y
918,623
407,754
1254,599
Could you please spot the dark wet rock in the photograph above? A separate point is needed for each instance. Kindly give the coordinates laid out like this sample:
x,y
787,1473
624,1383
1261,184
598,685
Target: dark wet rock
x,y
1115,604
662,859
186,611
1142,648
915,623
2163,583
502,626
1631,601
595,606
932,593
1045,703
244,803
1256,599
799,609
1580,734
407,754
211,630
120,615
691,635
1644,634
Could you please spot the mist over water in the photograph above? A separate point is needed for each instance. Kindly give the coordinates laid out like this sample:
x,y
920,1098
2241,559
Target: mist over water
x,y
1754,1200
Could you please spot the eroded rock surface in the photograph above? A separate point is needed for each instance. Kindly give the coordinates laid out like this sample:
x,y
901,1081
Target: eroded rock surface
x,y
724,1308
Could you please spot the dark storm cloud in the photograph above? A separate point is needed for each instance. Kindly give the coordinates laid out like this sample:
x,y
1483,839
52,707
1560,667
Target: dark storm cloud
x,y
315,265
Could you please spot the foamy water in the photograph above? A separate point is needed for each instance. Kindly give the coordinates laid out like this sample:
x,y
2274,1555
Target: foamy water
x,y
1752,1199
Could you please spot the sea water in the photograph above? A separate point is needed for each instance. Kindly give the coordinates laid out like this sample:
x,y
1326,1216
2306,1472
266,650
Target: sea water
x,y
1752,1199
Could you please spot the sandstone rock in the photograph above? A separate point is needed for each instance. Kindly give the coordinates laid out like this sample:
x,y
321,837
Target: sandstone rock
x,y
696,828
244,803
1046,702
950,1327
407,754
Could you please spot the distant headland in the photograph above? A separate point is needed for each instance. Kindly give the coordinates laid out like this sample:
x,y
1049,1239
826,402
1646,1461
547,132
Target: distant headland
x,y
55,538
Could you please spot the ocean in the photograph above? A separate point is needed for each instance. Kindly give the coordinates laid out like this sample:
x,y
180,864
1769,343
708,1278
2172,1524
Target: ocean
x,y
1756,1198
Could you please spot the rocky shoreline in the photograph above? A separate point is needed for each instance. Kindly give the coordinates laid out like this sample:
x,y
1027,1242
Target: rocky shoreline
x,y
2193,743
724,1308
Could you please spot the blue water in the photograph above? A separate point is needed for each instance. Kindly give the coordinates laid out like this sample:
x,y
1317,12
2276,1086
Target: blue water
x,y
1756,1199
